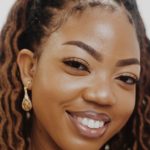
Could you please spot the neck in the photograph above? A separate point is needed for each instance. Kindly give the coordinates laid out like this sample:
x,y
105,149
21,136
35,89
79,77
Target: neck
x,y
40,139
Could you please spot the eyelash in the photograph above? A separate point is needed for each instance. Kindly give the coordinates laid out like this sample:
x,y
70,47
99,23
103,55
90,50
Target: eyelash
x,y
78,64
128,79
82,65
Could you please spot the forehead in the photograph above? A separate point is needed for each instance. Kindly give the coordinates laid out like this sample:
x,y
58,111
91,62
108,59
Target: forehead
x,y
101,28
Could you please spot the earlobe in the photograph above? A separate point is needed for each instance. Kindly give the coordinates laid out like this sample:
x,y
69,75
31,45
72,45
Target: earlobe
x,y
27,65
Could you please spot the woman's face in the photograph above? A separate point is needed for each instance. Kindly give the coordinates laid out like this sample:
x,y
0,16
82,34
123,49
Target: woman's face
x,y
84,84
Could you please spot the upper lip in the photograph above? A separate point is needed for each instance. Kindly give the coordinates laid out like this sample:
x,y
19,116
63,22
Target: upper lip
x,y
92,115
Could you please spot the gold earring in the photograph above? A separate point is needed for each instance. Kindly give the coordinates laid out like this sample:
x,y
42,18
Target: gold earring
x,y
26,103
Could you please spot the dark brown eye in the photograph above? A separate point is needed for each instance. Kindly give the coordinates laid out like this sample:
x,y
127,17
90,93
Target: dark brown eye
x,y
128,79
77,64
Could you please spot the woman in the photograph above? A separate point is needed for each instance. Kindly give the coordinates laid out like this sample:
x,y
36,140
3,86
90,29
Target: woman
x,y
74,75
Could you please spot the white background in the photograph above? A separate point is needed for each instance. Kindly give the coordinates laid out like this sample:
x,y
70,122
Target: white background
x,y
144,6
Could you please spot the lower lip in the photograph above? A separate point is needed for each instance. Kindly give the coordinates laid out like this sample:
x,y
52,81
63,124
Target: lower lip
x,y
88,132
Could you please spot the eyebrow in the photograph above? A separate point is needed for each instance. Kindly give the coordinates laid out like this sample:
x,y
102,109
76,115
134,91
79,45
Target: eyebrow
x,y
87,48
98,56
127,62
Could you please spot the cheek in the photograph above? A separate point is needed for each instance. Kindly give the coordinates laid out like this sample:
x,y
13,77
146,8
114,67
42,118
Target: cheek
x,y
56,88
127,102
125,106
53,90
55,85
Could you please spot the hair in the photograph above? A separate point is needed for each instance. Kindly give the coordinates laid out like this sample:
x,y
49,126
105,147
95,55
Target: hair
x,y
31,21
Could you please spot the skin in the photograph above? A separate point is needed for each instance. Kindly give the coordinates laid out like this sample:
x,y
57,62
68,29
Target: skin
x,y
58,88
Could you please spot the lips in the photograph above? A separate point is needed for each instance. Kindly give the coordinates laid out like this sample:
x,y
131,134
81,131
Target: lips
x,y
90,124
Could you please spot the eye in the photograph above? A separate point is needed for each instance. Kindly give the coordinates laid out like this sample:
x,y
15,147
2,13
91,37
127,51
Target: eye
x,y
78,64
128,79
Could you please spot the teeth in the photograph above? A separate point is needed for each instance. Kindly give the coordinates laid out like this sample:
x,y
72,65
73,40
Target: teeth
x,y
85,121
91,123
97,124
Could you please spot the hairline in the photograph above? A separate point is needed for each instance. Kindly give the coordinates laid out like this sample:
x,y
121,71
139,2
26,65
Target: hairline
x,y
80,6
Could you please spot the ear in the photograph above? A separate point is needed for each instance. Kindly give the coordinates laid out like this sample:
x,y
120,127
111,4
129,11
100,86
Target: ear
x,y
27,65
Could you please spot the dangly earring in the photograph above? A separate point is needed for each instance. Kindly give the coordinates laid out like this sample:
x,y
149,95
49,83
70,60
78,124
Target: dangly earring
x,y
26,103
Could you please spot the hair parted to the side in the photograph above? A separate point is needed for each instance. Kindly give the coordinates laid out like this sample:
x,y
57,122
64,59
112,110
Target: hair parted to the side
x,y
28,23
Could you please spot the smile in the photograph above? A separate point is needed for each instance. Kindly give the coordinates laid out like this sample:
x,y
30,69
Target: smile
x,y
90,124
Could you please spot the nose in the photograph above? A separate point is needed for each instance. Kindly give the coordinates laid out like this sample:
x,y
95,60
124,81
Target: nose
x,y
100,93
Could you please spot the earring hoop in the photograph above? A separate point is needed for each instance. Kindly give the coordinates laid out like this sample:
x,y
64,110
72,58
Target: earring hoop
x,y
26,103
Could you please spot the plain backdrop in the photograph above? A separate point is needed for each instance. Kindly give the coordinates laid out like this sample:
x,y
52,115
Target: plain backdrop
x,y
144,7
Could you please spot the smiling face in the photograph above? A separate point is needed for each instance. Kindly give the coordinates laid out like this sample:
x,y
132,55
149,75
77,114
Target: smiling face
x,y
84,85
